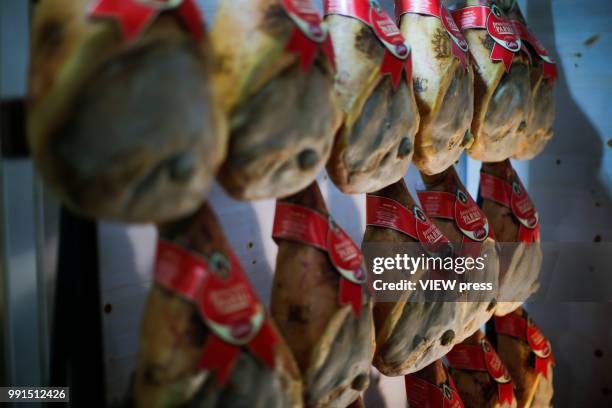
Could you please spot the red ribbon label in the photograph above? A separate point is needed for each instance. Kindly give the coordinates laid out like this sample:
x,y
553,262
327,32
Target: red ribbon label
x,y
359,9
438,8
512,194
499,28
297,223
387,213
134,16
469,218
310,35
526,330
226,301
423,394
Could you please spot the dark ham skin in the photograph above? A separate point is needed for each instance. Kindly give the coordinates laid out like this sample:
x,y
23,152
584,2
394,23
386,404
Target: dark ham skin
x,y
173,336
434,373
410,334
332,347
124,130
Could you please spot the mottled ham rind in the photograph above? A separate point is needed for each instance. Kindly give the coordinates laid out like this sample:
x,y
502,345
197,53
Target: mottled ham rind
x,y
541,116
129,131
477,388
444,93
332,346
520,361
173,336
375,143
283,120
479,309
520,263
410,333
502,101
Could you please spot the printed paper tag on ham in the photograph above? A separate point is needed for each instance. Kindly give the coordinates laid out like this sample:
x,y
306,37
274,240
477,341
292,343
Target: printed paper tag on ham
x,y
387,31
522,206
345,255
495,366
459,43
134,16
469,218
538,343
228,303
429,235
307,19
359,9
502,32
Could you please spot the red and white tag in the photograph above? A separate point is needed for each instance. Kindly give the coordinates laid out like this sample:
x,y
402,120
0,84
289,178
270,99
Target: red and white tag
x,y
438,8
512,194
469,217
499,28
526,330
526,36
423,394
226,301
310,35
387,213
134,16
298,223
483,358
397,58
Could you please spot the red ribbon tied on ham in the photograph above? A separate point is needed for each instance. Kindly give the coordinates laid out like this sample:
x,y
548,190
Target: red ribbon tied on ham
x,y
512,194
499,28
309,35
525,329
423,394
226,301
397,58
437,8
483,358
134,16
298,223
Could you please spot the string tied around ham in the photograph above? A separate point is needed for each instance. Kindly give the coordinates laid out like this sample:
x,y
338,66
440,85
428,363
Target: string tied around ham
x,y
301,224
226,302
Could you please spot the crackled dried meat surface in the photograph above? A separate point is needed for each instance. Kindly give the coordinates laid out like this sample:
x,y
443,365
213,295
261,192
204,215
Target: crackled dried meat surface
x,y
477,388
444,93
332,346
283,120
173,336
127,131
481,304
412,332
520,263
541,116
502,101
374,146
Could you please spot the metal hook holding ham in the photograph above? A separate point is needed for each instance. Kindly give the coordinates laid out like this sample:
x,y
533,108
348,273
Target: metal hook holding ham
x,y
502,99
373,81
123,122
481,377
443,78
206,339
275,70
528,355
319,301
453,210
413,331
516,223
543,76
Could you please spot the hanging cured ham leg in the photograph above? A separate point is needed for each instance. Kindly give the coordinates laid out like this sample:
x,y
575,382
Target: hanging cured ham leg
x,y
319,301
432,387
443,80
122,120
206,340
449,204
374,146
275,76
515,221
414,331
528,356
481,378
502,85
543,76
